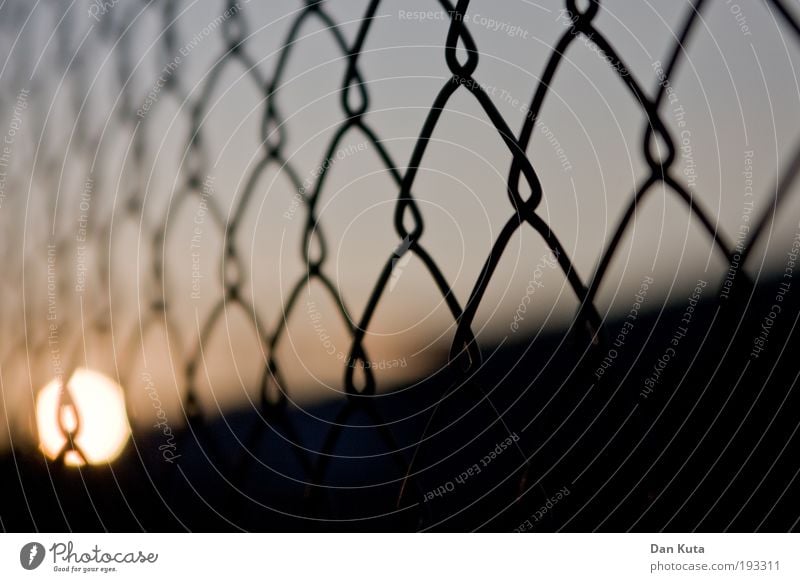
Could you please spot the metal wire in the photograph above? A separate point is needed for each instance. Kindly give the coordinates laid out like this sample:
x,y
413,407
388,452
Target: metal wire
x,y
461,55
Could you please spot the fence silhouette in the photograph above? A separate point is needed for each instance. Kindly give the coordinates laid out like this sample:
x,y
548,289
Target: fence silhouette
x,y
466,358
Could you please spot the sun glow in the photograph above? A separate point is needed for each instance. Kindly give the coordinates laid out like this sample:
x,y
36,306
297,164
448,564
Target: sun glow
x,y
97,410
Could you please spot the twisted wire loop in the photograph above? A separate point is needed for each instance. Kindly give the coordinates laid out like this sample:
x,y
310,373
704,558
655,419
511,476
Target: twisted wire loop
x,y
461,55
67,409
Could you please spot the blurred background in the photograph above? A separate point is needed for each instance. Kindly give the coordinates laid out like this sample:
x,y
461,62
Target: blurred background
x,y
208,271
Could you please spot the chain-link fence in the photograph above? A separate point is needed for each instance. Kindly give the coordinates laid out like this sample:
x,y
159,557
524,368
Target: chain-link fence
x,y
99,205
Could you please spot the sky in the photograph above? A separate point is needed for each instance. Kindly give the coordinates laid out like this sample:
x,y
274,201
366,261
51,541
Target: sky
x,y
96,113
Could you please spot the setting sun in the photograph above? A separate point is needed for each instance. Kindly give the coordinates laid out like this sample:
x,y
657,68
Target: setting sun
x,y
98,406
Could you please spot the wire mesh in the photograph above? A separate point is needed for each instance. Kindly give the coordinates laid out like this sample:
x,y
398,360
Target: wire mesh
x,y
194,185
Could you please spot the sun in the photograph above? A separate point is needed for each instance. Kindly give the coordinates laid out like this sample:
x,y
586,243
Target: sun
x,y
98,405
